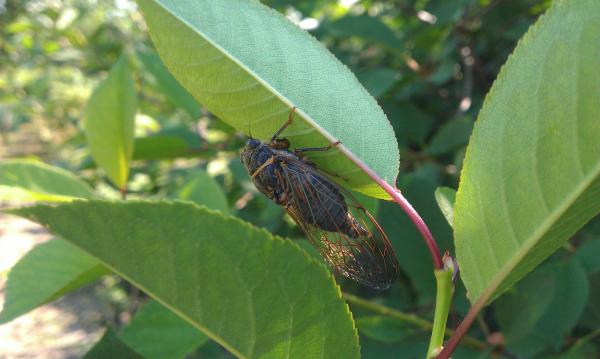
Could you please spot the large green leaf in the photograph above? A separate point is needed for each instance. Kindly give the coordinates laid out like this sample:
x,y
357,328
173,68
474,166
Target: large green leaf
x,y
108,121
46,273
167,83
28,180
249,65
256,295
156,333
531,175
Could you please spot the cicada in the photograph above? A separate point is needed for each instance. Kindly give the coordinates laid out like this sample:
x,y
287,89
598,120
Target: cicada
x,y
343,231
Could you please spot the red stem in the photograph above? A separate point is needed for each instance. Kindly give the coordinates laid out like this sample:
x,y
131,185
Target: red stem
x,y
406,207
463,327
438,264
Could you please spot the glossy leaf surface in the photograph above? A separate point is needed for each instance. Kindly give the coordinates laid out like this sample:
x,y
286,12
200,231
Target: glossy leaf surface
x,y
249,65
531,176
158,333
256,295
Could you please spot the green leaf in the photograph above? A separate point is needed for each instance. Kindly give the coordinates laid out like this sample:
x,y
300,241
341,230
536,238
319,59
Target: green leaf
x,y
167,83
158,147
204,190
591,316
256,295
589,254
412,124
443,72
156,333
26,180
447,11
583,351
366,27
110,346
249,65
384,329
445,198
520,309
108,122
531,176
46,273
543,307
378,81
569,300
450,136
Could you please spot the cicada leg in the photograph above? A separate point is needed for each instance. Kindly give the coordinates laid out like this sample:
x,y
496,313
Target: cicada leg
x,y
284,126
300,153
316,149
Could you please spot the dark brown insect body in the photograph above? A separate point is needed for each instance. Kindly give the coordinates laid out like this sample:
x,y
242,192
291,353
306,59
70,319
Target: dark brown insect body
x,y
353,244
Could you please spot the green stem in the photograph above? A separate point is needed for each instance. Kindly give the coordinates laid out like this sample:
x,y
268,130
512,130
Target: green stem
x,y
387,311
408,318
443,300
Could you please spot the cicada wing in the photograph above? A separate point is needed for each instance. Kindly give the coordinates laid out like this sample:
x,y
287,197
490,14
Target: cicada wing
x,y
351,242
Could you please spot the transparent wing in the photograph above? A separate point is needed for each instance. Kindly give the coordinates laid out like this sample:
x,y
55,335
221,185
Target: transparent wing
x,y
346,235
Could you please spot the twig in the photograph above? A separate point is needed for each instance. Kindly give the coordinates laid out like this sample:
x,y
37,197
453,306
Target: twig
x,y
404,204
408,318
464,326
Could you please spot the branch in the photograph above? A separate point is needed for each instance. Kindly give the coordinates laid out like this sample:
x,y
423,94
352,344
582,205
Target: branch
x,y
404,204
408,318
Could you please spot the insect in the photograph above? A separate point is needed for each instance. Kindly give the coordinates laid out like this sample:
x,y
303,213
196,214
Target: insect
x,y
342,230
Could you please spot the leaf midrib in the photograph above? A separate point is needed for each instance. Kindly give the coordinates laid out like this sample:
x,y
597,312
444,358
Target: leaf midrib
x,y
539,233
195,324
309,120
227,54
550,220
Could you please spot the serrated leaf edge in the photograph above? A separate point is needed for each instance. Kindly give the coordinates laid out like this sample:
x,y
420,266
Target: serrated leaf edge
x,y
278,240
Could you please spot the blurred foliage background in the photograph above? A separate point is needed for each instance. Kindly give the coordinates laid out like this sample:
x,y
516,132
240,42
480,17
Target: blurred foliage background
x,y
429,63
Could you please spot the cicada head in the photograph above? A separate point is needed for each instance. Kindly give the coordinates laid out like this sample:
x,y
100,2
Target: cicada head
x,y
255,154
249,152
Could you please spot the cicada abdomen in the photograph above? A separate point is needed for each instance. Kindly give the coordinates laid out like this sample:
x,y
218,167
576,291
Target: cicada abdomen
x,y
347,236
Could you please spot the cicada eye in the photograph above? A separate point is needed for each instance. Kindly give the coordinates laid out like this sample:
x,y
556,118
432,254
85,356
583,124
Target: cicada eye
x,y
252,143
